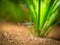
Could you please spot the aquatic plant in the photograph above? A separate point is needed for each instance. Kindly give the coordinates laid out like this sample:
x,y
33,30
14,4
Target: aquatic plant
x,y
43,13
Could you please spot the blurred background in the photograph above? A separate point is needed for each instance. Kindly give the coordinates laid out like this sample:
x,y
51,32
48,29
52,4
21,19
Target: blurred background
x,y
14,11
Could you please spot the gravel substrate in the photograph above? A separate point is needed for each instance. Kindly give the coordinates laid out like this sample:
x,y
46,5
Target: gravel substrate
x,y
11,34
8,38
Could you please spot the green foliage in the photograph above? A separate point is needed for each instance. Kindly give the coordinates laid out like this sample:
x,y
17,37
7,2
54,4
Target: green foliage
x,y
11,10
44,13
